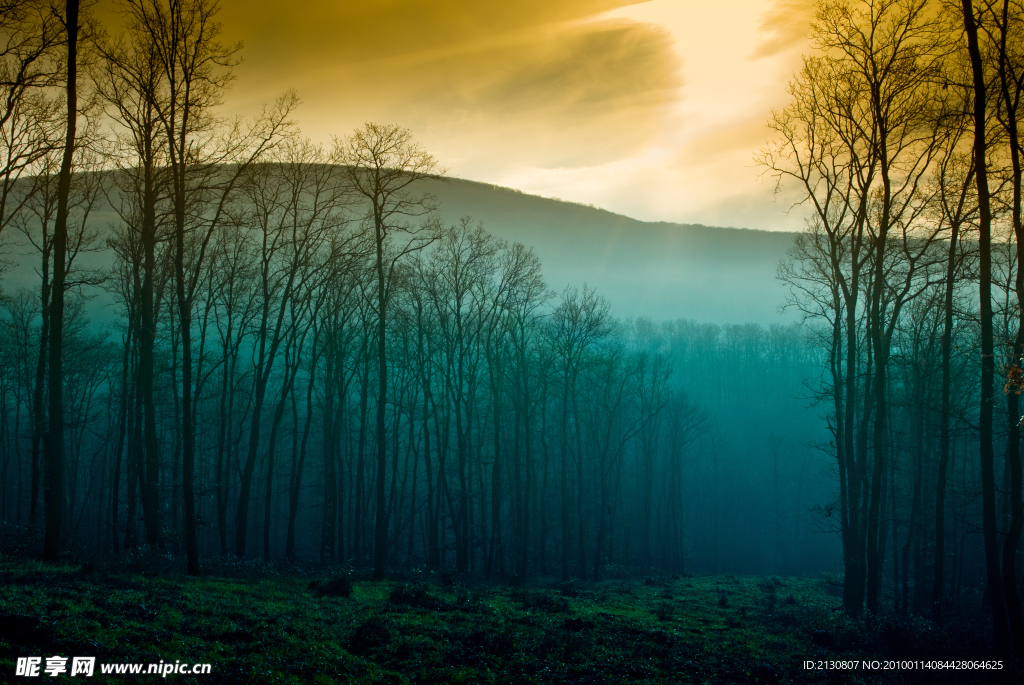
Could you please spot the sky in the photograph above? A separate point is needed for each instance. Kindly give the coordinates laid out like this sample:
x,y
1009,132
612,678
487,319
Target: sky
x,y
654,109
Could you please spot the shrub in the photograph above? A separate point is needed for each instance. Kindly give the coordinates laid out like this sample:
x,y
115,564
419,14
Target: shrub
x,y
833,584
338,586
373,633
417,595
554,604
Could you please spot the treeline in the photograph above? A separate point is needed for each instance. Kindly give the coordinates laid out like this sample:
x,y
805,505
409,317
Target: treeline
x,y
903,139
515,419
304,363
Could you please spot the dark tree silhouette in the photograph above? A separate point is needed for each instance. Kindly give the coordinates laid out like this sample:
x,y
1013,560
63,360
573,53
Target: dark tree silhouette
x,y
383,163
54,482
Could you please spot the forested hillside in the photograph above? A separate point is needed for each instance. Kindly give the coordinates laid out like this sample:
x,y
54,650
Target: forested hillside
x,y
498,382
661,271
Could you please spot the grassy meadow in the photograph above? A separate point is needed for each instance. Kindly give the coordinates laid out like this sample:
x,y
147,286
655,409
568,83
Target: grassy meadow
x,y
257,624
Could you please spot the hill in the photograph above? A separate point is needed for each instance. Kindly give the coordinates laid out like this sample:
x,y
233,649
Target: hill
x,y
658,270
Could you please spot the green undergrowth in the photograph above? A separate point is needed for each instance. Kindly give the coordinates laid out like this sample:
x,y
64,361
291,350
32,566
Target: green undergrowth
x,y
301,628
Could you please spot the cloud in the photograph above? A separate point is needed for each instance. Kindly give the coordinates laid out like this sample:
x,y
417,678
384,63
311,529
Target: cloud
x,y
785,25
362,32
596,65
582,99
582,95
390,42
548,81
741,135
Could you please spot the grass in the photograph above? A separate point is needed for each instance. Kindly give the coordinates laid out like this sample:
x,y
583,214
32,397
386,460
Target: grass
x,y
296,628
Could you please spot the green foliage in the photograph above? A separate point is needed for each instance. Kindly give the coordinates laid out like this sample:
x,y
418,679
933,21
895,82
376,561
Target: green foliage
x,y
833,584
282,629
338,586
541,601
665,611
417,595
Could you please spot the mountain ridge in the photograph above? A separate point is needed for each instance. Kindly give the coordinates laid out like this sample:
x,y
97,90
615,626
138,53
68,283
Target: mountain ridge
x,y
659,270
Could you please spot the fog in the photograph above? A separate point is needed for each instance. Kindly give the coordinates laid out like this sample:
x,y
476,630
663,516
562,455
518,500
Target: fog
x,y
728,412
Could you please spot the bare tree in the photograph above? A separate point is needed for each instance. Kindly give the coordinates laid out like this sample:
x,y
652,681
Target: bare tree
x,y
579,321
462,265
31,121
292,204
997,597
53,492
1004,28
132,84
861,137
383,164
194,69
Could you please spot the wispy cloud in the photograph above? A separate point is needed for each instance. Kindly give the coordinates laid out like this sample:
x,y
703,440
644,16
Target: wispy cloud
x,y
784,25
652,109
536,80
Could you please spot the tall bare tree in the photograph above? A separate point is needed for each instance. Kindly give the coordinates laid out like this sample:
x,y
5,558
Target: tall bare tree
x,y
194,69
384,164
292,203
54,482
861,137
997,597
579,321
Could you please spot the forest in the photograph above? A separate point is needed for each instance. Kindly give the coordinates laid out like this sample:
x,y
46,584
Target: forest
x,y
231,351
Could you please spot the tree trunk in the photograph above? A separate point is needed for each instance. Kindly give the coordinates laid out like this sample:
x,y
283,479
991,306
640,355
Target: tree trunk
x,y
996,595
944,438
380,537
53,494
1012,103
147,335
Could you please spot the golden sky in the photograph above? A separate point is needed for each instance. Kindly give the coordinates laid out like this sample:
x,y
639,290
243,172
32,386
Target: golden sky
x,y
650,109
